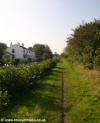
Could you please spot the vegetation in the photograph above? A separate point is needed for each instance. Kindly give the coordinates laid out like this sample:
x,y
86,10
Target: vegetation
x,y
82,84
41,95
84,44
15,80
41,102
42,52
2,49
82,95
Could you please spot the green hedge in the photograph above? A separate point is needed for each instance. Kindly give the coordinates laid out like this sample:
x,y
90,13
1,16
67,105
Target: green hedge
x,y
14,80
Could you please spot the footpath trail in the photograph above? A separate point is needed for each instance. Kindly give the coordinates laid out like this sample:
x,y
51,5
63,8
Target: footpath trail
x,y
63,98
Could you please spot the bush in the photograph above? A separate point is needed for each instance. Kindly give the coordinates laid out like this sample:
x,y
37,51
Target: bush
x,y
3,101
15,80
89,66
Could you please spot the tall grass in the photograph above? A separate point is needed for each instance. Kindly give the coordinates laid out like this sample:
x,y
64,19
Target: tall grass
x,y
82,96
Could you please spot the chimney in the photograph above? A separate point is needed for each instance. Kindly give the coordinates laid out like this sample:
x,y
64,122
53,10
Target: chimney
x,y
18,44
23,44
10,44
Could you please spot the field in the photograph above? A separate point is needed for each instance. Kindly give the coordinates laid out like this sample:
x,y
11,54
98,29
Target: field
x,y
43,100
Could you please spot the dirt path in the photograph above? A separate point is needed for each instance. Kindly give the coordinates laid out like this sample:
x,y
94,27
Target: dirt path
x,y
63,99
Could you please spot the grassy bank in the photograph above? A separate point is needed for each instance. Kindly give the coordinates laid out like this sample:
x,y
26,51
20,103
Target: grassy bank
x,y
43,102
82,96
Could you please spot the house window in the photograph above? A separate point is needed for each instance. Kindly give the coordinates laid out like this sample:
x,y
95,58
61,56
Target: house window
x,y
13,50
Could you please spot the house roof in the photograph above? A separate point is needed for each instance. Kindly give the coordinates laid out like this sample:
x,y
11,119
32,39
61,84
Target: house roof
x,y
26,48
23,47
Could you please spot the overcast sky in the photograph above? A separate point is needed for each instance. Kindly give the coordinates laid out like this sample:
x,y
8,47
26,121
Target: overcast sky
x,y
44,21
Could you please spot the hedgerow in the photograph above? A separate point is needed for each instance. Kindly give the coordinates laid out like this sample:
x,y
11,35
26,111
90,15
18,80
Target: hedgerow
x,y
15,79
84,45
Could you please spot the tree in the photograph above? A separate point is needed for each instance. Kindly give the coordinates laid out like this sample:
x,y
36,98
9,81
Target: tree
x,y
84,43
30,48
39,50
2,49
47,52
56,54
42,52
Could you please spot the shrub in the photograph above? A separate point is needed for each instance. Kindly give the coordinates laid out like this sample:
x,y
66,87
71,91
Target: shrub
x,y
14,80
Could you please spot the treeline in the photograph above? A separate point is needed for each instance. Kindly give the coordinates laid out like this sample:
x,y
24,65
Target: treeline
x,y
83,46
14,81
3,48
42,51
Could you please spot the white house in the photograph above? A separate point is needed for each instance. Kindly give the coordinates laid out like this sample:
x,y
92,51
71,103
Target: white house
x,y
20,52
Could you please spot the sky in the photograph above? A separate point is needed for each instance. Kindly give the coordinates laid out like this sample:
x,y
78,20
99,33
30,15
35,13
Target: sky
x,y
44,21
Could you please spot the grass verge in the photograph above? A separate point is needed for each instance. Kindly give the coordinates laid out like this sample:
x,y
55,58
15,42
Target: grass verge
x,y
43,102
82,97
